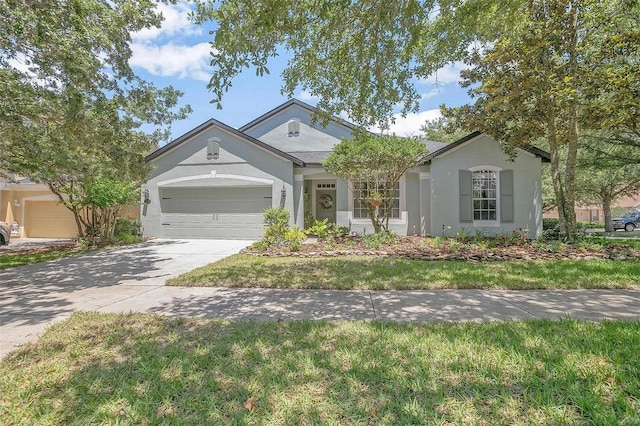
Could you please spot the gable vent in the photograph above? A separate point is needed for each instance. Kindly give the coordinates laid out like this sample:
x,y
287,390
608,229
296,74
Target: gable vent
x,y
294,127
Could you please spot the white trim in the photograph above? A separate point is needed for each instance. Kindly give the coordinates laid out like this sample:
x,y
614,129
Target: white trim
x,y
485,167
298,178
424,175
487,223
214,175
402,220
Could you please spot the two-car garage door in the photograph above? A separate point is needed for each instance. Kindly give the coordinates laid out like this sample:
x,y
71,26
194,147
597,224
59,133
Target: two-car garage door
x,y
221,212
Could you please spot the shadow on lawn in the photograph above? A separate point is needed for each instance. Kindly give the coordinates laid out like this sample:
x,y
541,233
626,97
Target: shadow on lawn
x,y
181,371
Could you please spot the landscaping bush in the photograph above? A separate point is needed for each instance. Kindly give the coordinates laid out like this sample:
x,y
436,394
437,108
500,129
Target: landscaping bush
x,y
277,232
127,225
277,221
320,229
377,240
590,225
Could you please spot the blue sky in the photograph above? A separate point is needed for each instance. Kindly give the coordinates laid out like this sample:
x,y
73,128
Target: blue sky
x,y
178,55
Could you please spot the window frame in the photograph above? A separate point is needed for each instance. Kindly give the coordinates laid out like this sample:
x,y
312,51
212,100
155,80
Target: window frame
x,y
362,212
497,195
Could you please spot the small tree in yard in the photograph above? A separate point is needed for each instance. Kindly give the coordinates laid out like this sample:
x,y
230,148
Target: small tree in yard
x,y
372,166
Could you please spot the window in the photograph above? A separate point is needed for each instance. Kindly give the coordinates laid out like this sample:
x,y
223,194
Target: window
x,y
485,195
361,191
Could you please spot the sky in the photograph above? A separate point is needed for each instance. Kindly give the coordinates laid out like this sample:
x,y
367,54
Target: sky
x,y
177,54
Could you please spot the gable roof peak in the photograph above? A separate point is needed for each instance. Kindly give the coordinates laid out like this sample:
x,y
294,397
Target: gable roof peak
x,y
288,104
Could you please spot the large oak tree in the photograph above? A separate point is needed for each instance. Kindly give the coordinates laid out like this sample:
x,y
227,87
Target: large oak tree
x,y
541,67
73,114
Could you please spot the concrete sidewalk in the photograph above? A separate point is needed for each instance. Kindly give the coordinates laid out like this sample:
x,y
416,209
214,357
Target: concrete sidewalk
x,y
132,280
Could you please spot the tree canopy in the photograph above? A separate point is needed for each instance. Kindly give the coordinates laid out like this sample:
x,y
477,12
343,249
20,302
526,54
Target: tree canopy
x,y
363,57
543,83
372,167
72,110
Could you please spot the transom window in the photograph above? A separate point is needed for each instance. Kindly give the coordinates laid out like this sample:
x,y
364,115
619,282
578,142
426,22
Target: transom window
x,y
326,186
362,191
485,195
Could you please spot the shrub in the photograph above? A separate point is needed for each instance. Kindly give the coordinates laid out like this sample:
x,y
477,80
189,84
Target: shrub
x,y
320,229
294,238
590,225
375,241
277,221
127,225
127,238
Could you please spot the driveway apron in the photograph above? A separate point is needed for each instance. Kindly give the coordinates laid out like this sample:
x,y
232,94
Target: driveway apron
x,y
34,296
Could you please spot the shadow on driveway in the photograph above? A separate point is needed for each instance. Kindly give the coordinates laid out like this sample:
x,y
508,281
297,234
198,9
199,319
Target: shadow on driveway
x,y
45,291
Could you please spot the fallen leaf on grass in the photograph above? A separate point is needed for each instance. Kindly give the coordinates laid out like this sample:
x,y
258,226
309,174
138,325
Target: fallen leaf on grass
x,y
249,403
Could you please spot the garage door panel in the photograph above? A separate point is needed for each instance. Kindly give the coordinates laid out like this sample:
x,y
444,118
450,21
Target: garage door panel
x,y
49,219
229,213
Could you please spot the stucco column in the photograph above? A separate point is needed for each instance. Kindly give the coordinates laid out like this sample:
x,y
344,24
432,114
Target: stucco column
x,y
425,203
298,201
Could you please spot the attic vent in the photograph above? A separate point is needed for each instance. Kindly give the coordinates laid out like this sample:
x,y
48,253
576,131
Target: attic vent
x,y
294,127
213,148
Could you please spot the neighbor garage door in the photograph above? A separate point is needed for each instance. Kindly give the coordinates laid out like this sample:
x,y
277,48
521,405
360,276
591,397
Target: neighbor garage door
x,y
48,219
226,213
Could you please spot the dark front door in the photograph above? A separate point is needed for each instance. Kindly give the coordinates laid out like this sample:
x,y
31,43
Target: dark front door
x,y
326,204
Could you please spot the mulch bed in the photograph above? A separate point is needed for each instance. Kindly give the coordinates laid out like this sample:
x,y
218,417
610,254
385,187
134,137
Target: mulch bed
x,y
418,248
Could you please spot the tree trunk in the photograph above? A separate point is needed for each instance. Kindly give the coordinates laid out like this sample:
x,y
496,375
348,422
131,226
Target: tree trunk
x,y
608,216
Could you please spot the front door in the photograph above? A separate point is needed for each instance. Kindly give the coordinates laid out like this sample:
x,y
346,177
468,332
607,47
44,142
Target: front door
x,y
326,204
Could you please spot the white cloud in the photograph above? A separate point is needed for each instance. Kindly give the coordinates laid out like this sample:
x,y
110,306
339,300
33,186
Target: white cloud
x,y
446,75
172,60
176,21
431,94
410,125
306,96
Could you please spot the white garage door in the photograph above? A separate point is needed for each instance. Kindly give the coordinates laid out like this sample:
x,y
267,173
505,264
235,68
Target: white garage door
x,y
225,213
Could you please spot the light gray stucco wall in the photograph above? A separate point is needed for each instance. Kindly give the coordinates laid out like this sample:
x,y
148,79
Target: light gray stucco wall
x,y
413,196
484,151
313,137
244,163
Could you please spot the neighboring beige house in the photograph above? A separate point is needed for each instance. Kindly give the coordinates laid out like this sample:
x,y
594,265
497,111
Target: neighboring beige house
x,y
595,213
37,210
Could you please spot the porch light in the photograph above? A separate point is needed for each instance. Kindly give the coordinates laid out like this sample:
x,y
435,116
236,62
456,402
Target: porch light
x,y
145,196
213,148
283,195
16,203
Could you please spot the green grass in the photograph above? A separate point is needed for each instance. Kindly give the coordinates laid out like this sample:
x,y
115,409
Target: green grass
x,y
134,369
11,260
362,272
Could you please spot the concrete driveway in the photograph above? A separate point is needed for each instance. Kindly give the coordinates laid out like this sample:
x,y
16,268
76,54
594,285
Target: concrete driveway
x,y
34,296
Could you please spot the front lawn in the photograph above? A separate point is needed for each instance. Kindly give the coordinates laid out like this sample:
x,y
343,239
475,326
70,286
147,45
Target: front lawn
x,y
26,257
374,273
144,369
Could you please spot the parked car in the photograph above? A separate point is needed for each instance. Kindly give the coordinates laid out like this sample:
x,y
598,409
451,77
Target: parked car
x,y
5,233
628,221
